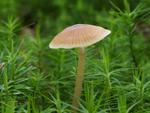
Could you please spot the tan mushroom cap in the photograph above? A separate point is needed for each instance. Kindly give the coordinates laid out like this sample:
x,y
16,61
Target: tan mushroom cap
x,y
79,35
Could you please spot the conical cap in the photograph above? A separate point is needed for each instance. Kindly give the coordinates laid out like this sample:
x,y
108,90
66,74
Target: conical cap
x,y
79,35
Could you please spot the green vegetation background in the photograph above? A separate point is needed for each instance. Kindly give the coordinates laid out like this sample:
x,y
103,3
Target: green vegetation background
x,y
36,79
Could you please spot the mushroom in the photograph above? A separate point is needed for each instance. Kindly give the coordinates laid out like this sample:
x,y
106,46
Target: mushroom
x,y
79,36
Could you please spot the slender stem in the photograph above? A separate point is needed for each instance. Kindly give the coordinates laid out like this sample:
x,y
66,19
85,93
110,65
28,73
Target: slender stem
x,y
79,79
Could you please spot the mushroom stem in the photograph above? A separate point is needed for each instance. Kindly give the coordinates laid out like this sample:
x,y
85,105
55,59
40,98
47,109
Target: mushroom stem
x,y
79,79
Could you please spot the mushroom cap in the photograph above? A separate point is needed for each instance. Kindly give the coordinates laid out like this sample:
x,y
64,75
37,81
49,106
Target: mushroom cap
x,y
79,35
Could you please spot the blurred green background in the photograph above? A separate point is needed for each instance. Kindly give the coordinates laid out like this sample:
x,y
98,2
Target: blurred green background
x,y
53,13
37,79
